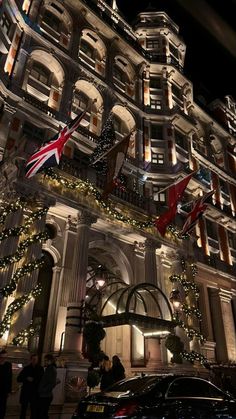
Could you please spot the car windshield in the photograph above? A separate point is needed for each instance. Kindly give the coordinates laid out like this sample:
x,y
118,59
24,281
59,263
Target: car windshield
x,y
135,385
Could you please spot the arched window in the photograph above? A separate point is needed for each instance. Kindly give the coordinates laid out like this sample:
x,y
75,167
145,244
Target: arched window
x,y
52,20
41,73
80,101
87,49
119,74
92,51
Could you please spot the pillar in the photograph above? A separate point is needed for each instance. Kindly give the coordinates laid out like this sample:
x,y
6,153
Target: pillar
x,y
73,332
150,262
218,325
5,123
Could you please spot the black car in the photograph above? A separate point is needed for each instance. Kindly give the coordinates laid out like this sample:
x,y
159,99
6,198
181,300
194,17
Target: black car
x,y
158,397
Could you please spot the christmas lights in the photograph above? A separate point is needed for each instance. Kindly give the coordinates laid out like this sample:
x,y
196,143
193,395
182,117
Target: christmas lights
x,y
187,285
7,260
20,272
9,208
191,310
24,335
195,356
17,231
15,306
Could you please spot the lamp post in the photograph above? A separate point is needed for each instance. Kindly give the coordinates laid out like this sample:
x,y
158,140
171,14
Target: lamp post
x,y
176,302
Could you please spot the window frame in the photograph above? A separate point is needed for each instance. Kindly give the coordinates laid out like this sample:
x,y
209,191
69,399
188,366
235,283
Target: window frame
x,y
37,66
5,23
52,18
200,382
159,161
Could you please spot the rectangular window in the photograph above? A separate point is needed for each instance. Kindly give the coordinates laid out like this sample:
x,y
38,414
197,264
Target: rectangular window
x,y
153,43
181,140
232,239
176,92
158,158
87,49
155,83
157,132
157,195
173,50
212,230
155,103
5,23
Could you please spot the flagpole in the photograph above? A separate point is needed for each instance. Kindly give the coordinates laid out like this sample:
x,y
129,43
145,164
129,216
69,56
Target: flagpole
x,y
110,149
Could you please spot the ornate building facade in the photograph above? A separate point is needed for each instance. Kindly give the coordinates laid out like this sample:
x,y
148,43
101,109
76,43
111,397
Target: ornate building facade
x,y
57,58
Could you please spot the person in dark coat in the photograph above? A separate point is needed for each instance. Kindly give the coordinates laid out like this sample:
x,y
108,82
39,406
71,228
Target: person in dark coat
x,y
105,373
46,386
5,382
117,369
30,377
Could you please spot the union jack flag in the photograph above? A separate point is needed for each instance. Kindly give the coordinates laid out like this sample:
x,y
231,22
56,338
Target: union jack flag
x,y
50,153
198,209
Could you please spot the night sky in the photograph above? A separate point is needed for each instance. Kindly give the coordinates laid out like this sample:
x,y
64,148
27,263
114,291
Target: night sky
x,y
209,65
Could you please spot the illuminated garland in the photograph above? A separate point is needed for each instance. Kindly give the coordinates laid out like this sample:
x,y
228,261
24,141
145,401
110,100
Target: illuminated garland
x,y
195,356
7,260
17,231
86,186
20,272
187,285
192,310
9,208
190,331
15,306
25,334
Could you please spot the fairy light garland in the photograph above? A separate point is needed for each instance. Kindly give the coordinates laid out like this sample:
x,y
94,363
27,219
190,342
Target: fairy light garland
x,y
7,260
192,311
15,306
86,186
188,286
194,356
190,331
17,231
24,335
10,208
20,272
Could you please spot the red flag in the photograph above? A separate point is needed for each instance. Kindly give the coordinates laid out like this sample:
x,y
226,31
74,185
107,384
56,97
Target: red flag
x,y
115,160
174,196
198,209
50,153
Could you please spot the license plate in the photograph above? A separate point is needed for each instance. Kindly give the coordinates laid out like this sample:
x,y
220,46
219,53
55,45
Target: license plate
x,y
95,408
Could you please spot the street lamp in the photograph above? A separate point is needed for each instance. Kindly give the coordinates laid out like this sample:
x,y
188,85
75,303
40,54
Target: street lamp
x,y
175,301
100,278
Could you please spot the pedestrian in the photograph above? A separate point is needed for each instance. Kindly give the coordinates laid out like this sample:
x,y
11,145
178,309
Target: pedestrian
x,y
46,386
117,369
30,377
5,382
105,373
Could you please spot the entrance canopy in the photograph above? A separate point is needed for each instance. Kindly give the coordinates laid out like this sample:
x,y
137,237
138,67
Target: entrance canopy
x,y
143,306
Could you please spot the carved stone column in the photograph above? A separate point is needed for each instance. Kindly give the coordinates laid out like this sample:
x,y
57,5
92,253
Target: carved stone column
x,y
139,268
218,325
5,123
73,335
150,261
228,321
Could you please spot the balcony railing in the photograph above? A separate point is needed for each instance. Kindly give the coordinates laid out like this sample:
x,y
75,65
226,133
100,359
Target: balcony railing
x,y
214,262
81,169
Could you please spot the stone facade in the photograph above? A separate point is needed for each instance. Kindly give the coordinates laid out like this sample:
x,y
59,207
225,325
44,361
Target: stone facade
x,y
56,59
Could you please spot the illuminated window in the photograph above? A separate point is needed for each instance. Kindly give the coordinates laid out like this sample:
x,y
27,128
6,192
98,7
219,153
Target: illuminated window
x,y
158,158
40,73
155,103
157,195
80,101
5,23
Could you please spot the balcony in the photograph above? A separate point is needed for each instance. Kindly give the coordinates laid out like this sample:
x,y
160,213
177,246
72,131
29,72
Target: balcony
x,y
80,168
32,100
214,262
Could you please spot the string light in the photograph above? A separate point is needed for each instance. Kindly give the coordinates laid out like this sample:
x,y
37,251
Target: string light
x,y
10,208
195,356
20,272
15,306
7,260
17,231
24,335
